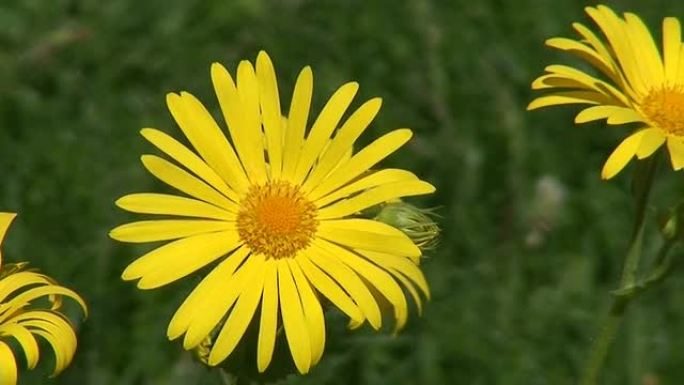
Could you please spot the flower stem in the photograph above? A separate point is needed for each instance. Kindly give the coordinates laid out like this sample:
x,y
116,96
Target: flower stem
x,y
665,264
643,180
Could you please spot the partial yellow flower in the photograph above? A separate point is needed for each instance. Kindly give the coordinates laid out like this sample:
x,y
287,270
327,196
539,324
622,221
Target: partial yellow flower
x,y
275,213
638,85
23,317
5,222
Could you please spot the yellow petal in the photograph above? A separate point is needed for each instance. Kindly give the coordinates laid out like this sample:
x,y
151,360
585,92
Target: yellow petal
x,y
625,116
23,299
189,160
207,138
349,281
269,316
680,73
56,331
177,178
607,55
328,288
615,30
409,286
403,265
368,234
614,114
246,133
672,43
374,196
373,179
15,282
219,301
248,90
549,81
207,289
5,221
240,316
362,162
645,50
585,52
176,259
8,369
313,312
377,277
164,230
164,204
343,141
676,148
652,140
26,341
293,319
322,128
589,83
622,154
568,97
297,120
270,112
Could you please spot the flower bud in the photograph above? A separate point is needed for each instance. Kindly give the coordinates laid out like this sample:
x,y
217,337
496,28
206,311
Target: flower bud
x,y
671,222
10,268
203,349
415,222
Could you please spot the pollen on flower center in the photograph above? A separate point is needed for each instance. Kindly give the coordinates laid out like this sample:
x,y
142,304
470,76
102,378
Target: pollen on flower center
x,y
664,107
276,220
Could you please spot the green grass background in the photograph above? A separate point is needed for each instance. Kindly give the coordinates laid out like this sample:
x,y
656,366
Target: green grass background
x,y
532,237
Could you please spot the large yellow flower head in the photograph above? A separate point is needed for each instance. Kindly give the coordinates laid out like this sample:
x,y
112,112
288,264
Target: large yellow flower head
x,y
275,212
23,317
639,86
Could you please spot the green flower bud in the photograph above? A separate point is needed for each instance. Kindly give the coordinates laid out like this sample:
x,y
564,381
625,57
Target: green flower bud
x,y
203,349
671,222
415,222
11,268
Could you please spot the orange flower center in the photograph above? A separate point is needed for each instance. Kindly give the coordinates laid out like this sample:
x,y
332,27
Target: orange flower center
x,y
664,107
276,220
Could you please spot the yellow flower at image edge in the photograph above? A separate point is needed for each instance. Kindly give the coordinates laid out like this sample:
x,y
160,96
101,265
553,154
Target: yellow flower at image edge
x,y
275,211
22,319
641,87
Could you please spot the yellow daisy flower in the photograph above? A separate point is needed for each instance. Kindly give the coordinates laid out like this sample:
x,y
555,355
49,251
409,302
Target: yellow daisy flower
x,y
639,85
22,319
275,212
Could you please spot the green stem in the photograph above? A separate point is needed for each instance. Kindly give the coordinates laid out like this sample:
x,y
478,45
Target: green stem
x,y
665,264
602,343
661,258
643,179
662,270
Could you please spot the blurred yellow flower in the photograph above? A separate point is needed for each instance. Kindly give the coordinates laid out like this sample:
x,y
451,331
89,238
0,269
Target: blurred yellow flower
x,y
640,86
274,212
22,319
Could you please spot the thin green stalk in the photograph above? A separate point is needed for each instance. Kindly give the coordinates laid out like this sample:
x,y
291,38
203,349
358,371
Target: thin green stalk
x,y
602,343
643,180
665,264
662,270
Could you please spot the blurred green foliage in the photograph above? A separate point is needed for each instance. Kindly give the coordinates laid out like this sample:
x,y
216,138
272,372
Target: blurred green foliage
x,y
532,238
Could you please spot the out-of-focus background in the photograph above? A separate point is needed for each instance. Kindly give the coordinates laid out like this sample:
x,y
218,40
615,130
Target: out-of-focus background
x,y
532,240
